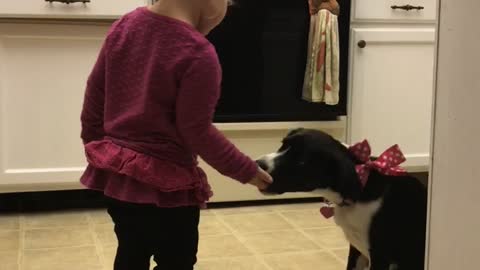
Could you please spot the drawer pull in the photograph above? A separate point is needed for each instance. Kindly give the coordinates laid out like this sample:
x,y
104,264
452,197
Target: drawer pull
x,y
407,7
362,44
69,1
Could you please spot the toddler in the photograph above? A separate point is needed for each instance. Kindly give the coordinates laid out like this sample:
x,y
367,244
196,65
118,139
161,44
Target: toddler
x,y
147,114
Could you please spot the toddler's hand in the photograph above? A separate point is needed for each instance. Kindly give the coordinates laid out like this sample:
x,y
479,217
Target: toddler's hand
x,y
261,180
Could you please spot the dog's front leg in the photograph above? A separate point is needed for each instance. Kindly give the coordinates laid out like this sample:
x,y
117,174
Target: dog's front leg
x,y
378,261
356,261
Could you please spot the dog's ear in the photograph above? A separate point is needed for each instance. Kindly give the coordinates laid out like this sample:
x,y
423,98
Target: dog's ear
x,y
344,173
294,132
294,137
348,183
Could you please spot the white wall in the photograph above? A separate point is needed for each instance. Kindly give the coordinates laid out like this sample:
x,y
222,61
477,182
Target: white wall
x,y
455,212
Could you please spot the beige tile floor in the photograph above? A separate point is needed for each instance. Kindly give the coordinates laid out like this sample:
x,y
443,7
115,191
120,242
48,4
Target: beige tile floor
x,y
276,237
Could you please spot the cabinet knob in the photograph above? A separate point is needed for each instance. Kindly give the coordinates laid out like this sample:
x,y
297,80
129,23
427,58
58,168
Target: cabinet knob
x,y
407,7
362,44
68,1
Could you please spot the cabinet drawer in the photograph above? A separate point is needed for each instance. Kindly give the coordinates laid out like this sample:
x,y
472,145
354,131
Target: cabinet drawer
x,y
383,10
95,9
256,140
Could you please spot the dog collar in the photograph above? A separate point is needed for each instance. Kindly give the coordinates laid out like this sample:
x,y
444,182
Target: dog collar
x,y
328,210
387,163
345,203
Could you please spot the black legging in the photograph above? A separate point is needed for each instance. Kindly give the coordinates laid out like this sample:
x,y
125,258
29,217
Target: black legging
x,y
170,235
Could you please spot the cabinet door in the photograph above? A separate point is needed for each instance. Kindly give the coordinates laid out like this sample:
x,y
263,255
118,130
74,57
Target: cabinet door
x,y
391,90
43,70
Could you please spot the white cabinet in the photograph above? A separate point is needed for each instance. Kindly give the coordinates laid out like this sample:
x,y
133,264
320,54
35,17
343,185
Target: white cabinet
x,y
95,9
43,69
391,89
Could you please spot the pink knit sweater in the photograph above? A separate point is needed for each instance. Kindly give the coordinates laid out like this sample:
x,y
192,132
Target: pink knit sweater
x,y
148,113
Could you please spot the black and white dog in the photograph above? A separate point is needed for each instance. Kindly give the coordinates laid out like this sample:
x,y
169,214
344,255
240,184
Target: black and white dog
x,y
384,220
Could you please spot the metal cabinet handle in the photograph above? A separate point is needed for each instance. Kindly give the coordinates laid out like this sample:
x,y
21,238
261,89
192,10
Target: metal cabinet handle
x,y
68,1
362,44
407,7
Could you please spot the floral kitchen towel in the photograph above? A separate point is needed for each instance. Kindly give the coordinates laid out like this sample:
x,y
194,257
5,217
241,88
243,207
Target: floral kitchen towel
x,y
321,82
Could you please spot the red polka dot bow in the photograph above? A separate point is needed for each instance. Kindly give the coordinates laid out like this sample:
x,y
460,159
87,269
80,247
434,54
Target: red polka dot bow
x,y
387,163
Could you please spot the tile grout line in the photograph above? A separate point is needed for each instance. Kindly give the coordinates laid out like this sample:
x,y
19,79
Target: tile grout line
x,y
261,232
268,254
21,246
255,211
328,250
98,248
300,229
338,257
276,212
208,259
342,261
241,239
57,247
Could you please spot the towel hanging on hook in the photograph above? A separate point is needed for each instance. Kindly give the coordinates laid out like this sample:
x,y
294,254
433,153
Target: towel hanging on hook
x,y
321,83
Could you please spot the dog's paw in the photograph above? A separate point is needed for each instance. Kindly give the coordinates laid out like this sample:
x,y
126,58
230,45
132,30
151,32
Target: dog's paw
x,y
393,267
362,263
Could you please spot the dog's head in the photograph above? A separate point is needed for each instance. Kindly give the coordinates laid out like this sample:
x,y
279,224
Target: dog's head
x,y
311,160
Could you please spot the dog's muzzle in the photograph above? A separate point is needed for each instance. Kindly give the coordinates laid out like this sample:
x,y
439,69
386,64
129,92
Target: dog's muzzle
x,y
262,164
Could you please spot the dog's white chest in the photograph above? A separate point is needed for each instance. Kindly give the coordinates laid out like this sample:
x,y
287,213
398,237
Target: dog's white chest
x,y
355,221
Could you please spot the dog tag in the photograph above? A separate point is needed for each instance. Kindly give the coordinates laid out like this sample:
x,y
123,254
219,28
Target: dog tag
x,y
327,211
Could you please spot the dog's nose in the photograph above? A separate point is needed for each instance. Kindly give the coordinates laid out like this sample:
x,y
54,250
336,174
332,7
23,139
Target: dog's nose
x,y
262,164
